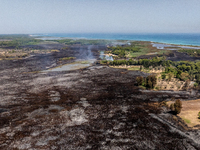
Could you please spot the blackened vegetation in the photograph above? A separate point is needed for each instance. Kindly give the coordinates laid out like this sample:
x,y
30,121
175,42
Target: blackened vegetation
x,y
110,125
175,55
39,62
191,52
96,108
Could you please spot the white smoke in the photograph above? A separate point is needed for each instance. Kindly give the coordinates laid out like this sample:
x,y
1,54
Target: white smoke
x,y
89,52
86,53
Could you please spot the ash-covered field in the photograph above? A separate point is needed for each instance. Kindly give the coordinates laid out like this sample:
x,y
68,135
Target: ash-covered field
x,y
91,108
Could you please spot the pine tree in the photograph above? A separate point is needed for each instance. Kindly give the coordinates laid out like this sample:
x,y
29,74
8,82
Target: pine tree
x,y
139,80
177,106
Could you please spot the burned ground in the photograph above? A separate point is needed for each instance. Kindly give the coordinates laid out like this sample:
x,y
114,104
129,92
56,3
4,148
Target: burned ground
x,y
179,56
174,55
93,108
38,62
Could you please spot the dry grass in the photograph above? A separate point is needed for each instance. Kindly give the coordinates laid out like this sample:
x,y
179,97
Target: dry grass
x,y
55,50
129,67
189,112
174,84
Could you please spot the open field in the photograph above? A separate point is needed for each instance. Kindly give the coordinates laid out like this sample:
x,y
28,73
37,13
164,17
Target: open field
x,y
189,112
148,51
130,67
145,48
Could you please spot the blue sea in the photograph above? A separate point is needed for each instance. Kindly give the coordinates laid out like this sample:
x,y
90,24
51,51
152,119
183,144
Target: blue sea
x,y
182,39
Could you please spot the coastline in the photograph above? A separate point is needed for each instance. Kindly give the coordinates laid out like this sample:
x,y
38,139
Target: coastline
x,y
168,45
173,39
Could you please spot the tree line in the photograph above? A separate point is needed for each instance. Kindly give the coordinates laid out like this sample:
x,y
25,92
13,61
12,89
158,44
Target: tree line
x,y
148,82
182,70
144,62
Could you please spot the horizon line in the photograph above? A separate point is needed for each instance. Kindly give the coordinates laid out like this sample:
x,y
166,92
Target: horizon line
x,y
98,33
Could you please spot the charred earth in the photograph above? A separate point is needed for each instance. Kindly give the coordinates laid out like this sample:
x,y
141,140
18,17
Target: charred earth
x,y
92,108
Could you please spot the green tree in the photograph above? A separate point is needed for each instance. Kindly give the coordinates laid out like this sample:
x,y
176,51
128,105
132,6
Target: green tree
x,y
177,106
184,76
170,75
151,81
149,84
163,76
139,80
140,68
199,115
195,84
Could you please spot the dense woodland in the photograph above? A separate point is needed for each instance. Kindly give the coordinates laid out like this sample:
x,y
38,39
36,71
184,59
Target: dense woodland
x,y
182,70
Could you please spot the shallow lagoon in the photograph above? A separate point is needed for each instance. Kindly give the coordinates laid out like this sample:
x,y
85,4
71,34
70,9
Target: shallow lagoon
x,y
175,47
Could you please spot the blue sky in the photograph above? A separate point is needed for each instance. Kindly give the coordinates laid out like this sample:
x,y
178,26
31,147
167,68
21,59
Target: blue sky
x,y
99,16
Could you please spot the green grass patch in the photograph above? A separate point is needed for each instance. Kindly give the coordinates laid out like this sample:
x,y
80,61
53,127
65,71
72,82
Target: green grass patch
x,y
67,58
143,51
55,50
134,68
164,51
142,87
186,120
146,70
103,62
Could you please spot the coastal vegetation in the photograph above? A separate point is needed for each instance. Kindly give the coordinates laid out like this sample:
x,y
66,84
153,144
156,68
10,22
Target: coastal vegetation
x,y
82,41
135,49
17,41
